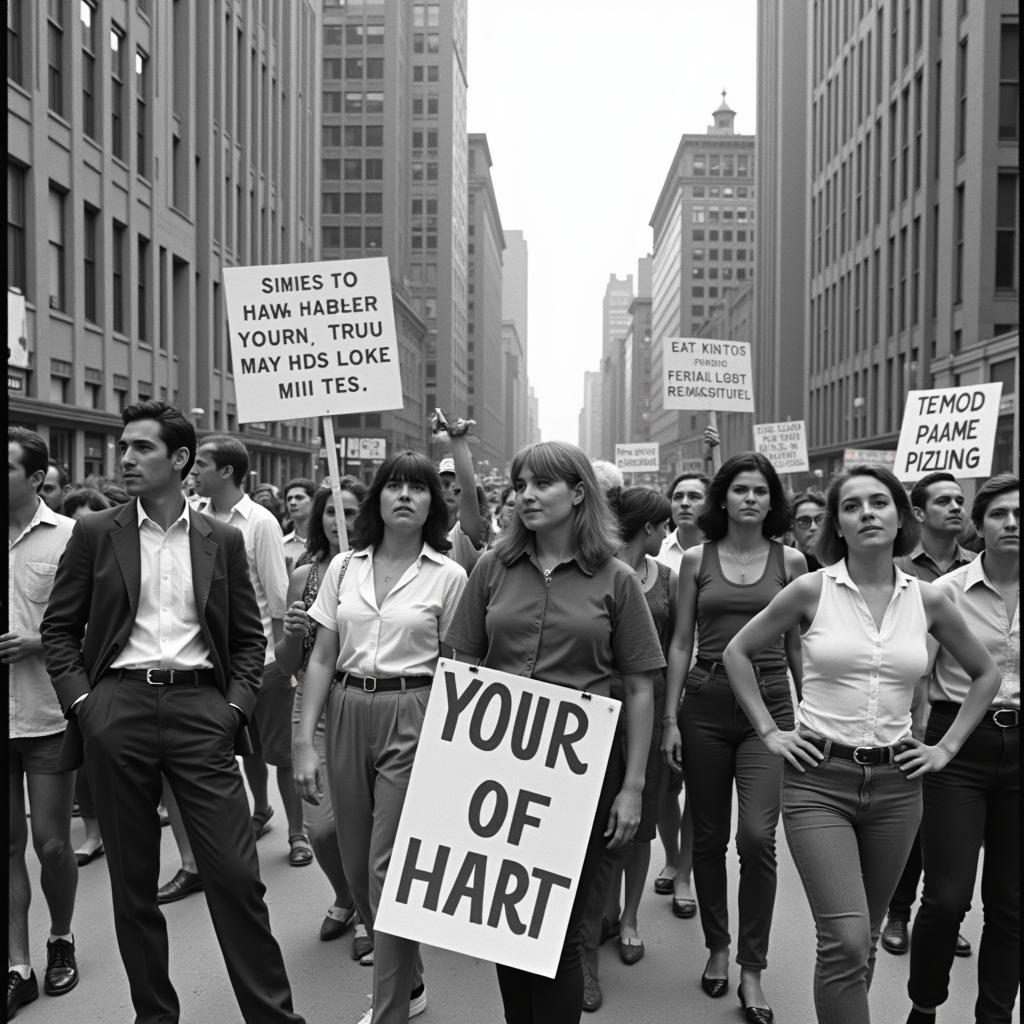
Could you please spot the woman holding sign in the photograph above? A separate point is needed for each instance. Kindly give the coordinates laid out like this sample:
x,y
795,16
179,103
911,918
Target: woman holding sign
x,y
722,585
383,608
852,773
550,601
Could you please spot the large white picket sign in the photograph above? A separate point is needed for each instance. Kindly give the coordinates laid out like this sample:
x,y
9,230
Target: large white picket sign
x,y
951,430
496,819
312,339
707,373
783,444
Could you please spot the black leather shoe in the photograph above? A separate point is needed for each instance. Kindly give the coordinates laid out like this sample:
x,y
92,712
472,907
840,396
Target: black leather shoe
x,y
593,997
61,970
962,947
756,1014
20,991
183,884
714,987
895,938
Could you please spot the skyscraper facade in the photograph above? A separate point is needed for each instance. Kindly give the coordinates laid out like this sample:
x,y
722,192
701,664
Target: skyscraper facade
x,y
149,146
635,362
615,323
703,226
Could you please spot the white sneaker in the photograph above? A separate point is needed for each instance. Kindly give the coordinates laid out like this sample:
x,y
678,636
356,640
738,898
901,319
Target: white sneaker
x,y
417,1004
366,960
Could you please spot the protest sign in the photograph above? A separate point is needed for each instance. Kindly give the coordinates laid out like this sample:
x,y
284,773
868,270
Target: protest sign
x,y
706,373
312,339
950,430
869,457
637,458
497,816
783,444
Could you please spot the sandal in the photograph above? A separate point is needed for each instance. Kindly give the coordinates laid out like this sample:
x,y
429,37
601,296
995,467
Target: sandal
x,y
664,885
260,820
684,908
301,852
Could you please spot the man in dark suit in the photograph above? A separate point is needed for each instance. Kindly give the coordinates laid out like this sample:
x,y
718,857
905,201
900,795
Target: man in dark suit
x,y
163,682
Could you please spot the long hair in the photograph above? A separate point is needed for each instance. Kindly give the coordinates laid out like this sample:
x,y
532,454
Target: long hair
x,y
635,507
318,547
831,548
713,520
405,467
597,538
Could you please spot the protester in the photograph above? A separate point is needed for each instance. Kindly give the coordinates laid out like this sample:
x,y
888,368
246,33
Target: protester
x,y
808,512
150,691
506,506
938,505
976,798
292,652
851,791
722,584
383,608
267,496
56,485
36,538
298,499
550,601
222,464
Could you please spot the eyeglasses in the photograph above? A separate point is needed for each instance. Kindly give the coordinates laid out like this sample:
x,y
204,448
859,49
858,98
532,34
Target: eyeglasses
x,y
805,522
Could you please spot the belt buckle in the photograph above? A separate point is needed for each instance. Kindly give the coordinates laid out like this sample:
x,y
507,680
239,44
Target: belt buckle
x,y
1014,717
857,755
369,689
156,682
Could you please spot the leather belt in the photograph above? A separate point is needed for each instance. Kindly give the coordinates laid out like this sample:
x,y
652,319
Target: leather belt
x,y
170,676
1005,718
759,670
392,684
864,756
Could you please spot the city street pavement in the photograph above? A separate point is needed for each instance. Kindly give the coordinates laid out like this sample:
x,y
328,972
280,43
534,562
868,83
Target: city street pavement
x,y
330,988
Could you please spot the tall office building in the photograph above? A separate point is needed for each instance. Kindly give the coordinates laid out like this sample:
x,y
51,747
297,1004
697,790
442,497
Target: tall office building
x,y
635,362
615,322
486,398
515,340
394,182
703,226
912,206
150,145
591,414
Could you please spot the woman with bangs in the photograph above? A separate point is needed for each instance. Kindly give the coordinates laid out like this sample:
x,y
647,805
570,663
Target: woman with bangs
x,y
851,797
292,653
557,554
382,607
724,583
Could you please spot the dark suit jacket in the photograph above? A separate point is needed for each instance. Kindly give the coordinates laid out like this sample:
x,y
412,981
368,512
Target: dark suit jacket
x,y
96,595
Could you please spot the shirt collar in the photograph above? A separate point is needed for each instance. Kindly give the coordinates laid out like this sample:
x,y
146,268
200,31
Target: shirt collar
x,y
425,552
530,552
143,517
841,574
962,556
43,515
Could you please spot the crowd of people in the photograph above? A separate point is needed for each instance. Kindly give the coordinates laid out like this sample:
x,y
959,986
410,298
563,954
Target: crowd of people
x,y
846,661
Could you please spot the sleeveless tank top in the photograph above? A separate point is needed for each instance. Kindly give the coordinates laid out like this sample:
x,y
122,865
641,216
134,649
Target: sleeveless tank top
x,y
859,678
658,602
724,608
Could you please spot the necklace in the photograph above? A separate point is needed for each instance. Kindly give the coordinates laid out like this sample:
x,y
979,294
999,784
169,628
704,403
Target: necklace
x,y
734,555
647,569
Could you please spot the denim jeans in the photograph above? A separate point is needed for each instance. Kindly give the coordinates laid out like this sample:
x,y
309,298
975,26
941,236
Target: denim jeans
x,y
721,747
975,798
849,829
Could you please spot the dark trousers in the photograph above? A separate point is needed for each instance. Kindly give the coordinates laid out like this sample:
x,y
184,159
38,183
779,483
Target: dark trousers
x,y
906,888
132,732
975,798
721,747
532,998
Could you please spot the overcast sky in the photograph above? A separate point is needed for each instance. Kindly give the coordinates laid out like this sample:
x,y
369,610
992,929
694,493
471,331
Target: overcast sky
x,y
583,103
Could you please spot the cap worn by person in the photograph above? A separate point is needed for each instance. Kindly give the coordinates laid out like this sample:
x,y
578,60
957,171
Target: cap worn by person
x,y
446,465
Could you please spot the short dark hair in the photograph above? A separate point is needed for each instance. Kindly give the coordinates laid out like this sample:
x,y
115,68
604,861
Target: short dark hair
x,y
406,467
300,481
115,494
229,451
919,492
63,476
175,429
804,496
989,491
90,497
702,477
35,456
831,548
714,522
635,507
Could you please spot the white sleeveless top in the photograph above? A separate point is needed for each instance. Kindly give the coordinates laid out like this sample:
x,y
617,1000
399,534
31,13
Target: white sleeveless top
x,y
858,679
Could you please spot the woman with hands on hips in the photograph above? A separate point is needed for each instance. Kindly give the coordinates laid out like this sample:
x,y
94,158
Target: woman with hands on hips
x,y
851,799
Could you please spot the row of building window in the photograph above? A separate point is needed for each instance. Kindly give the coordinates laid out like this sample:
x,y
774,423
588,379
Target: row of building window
x,y
355,34
724,191
354,202
714,235
352,136
351,169
720,165
334,102
720,273
351,237
715,215
722,254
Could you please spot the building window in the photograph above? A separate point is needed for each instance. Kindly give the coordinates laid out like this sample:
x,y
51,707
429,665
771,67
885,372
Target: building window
x,y
1006,231
15,21
90,233
143,289
374,136
373,202
353,237
330,237
330,170
958,241
331,102
55,55
374,103
331,136
16,255
375,67
117,46
373,237
88,17
141,117
332,69
352,169
57,268
1009,80
353,68
330,203
961,104
117,262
